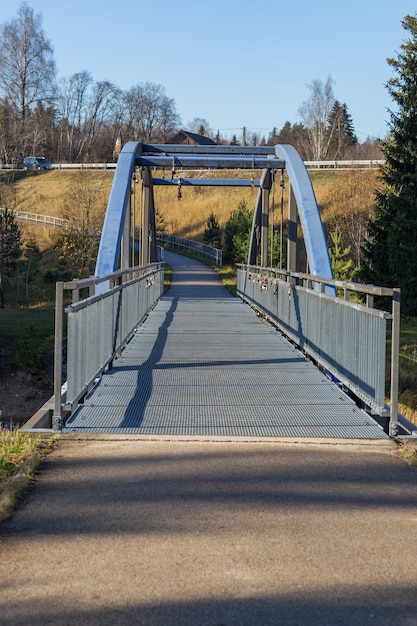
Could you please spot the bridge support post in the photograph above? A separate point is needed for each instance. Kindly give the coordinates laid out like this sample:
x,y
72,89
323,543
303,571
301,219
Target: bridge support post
x,y
59,318
395,360
144,218
125,243
260,224
266,182
292,232
256,231
148,226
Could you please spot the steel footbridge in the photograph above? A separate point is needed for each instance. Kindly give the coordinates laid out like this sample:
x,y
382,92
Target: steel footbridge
x,y
294,355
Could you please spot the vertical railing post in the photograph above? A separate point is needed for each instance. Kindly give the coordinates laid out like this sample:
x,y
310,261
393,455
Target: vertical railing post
x,y
59,315
395,359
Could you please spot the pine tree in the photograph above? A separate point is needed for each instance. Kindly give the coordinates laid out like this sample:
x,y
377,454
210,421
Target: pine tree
x,y
10,246
390,254
212,233
237,235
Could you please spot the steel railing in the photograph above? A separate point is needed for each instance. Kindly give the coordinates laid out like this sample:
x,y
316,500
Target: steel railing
x,y
202,250
44,220
345,338
98,327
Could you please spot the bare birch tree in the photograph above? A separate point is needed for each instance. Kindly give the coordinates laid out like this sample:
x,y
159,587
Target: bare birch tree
x,y
314,114
71,104
150,114
27,69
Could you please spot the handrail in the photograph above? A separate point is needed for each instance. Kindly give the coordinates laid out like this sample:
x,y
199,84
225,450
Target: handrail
x,y
292,302
99,325
198,248
44,220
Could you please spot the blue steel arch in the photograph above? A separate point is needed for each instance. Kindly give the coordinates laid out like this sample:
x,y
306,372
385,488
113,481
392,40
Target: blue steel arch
x,y
118,204
119,200
311,224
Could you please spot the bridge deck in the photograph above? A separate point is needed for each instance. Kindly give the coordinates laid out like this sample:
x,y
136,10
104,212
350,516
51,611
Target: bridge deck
x,y
204,364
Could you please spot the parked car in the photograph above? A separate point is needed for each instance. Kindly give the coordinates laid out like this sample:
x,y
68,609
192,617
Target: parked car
x,y
36,163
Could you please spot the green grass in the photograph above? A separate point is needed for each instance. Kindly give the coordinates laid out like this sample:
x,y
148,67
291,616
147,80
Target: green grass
x,y
407,387
408,341
228,275
27,337
167,277
20,455
13,320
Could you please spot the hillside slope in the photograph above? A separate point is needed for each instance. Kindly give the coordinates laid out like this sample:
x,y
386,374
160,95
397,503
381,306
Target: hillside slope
x,y
345,199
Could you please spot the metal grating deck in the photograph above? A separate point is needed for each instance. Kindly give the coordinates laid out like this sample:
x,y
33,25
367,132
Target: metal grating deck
x,y
204,364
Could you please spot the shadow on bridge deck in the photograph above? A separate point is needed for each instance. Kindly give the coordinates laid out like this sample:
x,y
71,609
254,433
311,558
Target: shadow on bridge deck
x,y
203,364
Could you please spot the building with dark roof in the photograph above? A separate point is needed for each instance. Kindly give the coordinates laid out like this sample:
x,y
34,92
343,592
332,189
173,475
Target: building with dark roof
x,y
185,137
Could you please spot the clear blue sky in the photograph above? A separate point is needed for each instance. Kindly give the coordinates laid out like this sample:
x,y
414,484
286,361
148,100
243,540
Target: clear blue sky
x,y
234,63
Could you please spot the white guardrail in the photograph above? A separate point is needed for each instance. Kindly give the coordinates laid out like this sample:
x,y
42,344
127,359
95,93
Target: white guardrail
x,y
310,165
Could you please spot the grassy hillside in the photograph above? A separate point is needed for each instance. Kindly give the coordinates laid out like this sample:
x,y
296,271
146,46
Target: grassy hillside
x,y
341,196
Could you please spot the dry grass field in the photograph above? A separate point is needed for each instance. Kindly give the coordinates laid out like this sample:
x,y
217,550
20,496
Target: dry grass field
x,y
338,193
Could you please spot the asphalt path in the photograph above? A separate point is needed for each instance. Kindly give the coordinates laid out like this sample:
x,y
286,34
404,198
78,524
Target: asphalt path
x,y
171,532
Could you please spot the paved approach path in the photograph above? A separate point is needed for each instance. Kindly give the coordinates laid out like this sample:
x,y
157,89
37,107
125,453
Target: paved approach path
x,y
138,531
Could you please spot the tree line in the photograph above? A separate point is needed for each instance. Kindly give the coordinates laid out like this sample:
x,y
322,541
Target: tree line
x,y
78,119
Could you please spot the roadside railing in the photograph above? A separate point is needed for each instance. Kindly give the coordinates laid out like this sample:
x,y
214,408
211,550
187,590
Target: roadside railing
x,y
364,164
335,165
345,338
202,250
98,326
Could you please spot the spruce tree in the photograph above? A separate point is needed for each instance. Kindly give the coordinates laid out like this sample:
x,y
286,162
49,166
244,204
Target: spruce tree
x,y
341,263
237,235
341,131
10,246
390,254
212,233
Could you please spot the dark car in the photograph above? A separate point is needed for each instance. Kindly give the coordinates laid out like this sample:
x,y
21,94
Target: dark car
x,y
36,163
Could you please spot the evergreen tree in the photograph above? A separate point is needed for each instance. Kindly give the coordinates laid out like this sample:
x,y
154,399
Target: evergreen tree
x,y
390,254
10,246
295,135
342,265
159,221
32,256
237,235
212,233
273,136
341,131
